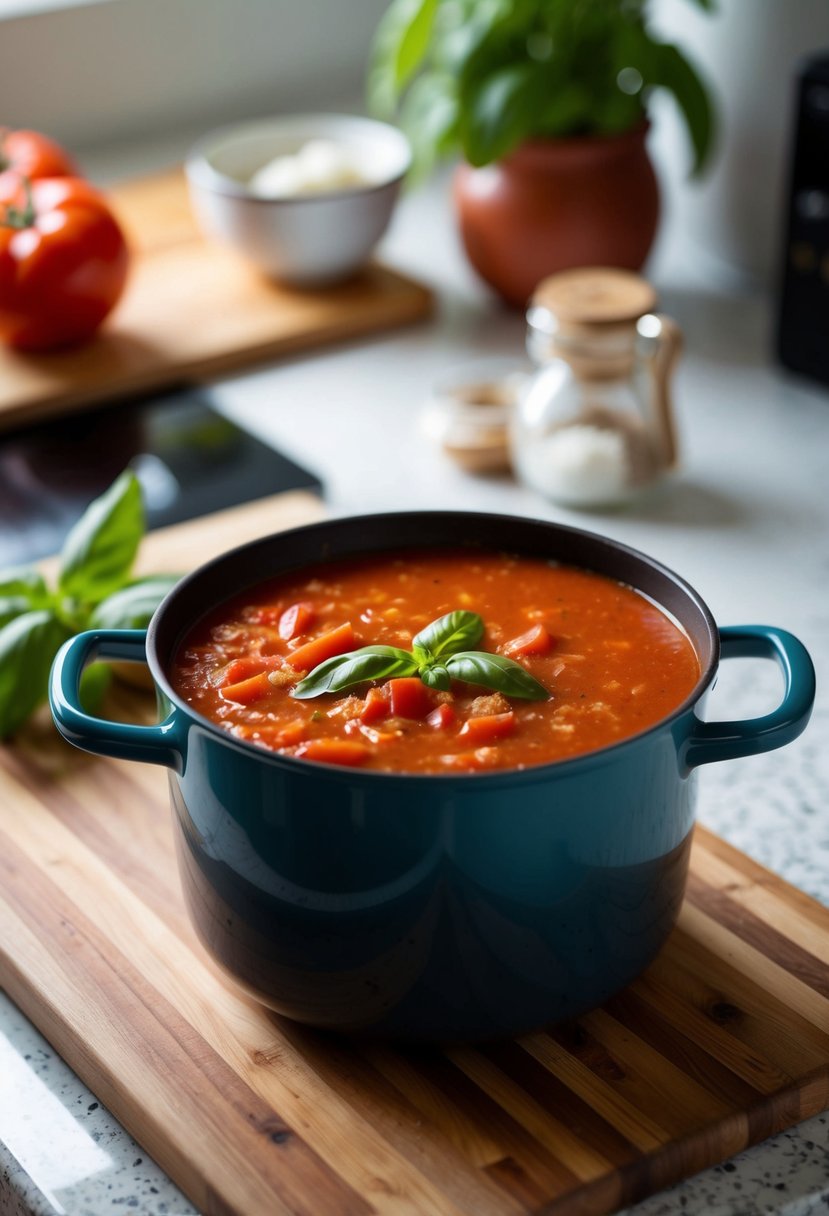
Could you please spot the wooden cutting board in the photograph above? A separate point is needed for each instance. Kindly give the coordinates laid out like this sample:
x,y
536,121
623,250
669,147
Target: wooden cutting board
x,y
724,1041
192,311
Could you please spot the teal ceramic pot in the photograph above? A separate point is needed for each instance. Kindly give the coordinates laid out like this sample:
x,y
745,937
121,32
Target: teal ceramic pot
x,y
432,907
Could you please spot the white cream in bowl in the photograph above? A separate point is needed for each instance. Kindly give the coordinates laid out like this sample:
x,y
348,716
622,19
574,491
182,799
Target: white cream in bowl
x,y
305,197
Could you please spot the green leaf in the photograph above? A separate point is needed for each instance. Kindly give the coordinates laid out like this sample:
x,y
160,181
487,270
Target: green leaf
x,y
21,590
502,111
448,634
400,46
27,647
663,65
12,606
496,672
436,676
100,549
132,607
357,667
25,582
675,73
568,108
429,116
412,46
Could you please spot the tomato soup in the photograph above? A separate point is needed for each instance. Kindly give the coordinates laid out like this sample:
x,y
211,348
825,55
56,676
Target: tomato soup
x,y
571,660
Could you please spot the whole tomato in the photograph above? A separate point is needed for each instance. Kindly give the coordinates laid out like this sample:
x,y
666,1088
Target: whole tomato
x,y
32,155
63,262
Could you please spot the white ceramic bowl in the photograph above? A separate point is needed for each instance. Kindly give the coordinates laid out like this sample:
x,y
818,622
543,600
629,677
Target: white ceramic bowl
x,y
308,239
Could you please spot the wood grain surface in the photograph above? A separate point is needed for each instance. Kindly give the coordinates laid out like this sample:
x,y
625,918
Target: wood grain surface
x,y
724,1040
192,311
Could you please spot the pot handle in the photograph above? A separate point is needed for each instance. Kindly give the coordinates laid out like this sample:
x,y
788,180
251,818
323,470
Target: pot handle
x,y
161,744
728,740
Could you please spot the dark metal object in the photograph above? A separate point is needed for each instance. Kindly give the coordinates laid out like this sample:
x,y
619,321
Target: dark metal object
x,y
189,459
803,323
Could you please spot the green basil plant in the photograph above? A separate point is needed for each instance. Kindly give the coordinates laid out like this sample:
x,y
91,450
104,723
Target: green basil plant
x,y
93,590
482,76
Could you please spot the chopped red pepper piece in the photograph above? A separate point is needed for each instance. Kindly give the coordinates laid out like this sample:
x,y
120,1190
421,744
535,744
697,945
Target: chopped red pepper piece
x,y
335,751
479,731
409,697
296,620
442,717
246,691
335,641
247,666
535,641
377,706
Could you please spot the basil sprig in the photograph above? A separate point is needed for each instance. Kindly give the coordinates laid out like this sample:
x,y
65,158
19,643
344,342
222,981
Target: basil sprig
x,y
449,634
438,656
93,590
356,667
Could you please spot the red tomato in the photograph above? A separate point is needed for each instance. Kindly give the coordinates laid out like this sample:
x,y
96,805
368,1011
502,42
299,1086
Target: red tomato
x,y
410,698
296,620
536,640
482,730
30,154
442,717
376,706
63,261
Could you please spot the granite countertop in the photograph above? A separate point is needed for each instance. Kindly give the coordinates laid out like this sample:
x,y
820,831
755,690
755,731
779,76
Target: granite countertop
x,y
746,522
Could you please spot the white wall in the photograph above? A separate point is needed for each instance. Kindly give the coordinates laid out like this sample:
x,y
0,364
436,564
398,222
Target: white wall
x,y
126,68
750,50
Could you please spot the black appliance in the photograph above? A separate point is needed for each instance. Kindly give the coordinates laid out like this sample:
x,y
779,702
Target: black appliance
x,y
189,459
803,323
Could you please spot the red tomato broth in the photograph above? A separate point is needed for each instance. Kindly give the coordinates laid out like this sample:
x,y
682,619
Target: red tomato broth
x,y
616,663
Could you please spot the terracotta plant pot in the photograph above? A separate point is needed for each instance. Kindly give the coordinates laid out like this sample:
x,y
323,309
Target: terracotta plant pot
x,y
555,204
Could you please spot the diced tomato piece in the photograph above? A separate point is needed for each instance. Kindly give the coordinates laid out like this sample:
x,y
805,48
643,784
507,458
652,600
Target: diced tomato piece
x,y
335,751
535,641
479,731
296,620
247,691
410,697
247,666
335,641
376,706
442,717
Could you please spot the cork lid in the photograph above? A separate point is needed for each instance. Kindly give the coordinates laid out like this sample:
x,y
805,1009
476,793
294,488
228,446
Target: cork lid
x,y
594,295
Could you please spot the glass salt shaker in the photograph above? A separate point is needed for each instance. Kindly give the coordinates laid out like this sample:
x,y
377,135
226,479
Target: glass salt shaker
x,y
594,428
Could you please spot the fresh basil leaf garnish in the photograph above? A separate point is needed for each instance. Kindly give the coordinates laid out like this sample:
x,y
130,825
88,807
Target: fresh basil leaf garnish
x,y
496,672
21,590
436,676
437,656
357,667
99,551
133,606
449,634
28,645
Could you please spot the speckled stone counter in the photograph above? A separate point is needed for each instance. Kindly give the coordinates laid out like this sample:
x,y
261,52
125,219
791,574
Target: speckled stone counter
x,y
746,522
